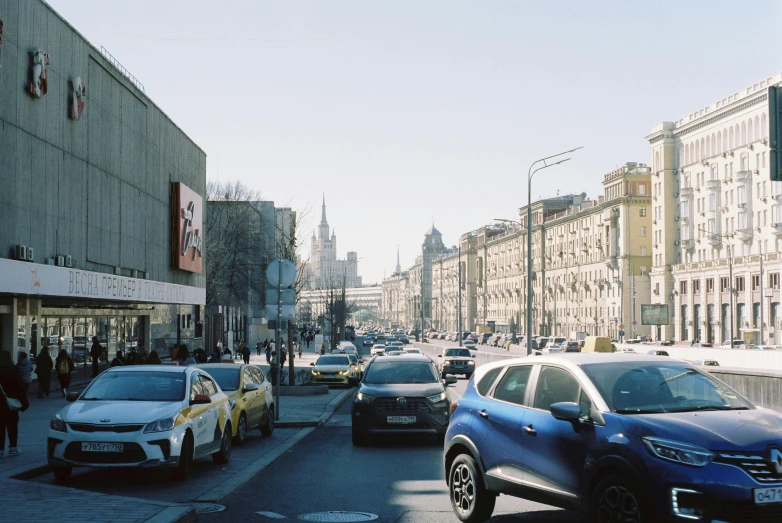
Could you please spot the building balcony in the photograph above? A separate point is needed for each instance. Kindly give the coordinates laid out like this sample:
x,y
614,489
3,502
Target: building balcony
x,y
688,244
686,192
743,176
744,234
713,185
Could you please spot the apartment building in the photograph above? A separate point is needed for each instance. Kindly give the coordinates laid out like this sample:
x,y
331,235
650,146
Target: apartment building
x,y
717,221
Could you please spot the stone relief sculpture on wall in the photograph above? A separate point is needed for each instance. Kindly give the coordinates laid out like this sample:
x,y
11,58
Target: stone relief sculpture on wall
x,y
39,76
76,98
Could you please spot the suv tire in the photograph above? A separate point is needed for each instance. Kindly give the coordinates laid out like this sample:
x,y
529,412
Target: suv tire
x,y
470,500
618,498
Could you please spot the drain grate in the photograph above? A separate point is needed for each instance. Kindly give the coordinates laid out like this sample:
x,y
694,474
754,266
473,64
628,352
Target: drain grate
x,y
208,508
339,516
336,422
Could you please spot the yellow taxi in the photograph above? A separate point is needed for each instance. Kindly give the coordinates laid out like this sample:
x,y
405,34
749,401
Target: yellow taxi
x,y
250,394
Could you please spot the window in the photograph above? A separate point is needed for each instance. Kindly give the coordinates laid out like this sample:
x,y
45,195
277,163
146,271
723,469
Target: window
x,y
555,385
773,280
643,250
683,288
643,231
641,188
642,211
709,285
487,381
755,282
696,286
513,385
196,388
742,220
685,209
724,284
740,284
741,194
208,385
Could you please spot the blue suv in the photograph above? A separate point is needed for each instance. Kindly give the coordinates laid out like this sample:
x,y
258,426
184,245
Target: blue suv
x,y
624,438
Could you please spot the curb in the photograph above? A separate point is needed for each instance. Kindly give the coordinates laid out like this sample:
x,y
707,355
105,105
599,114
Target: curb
x,y
174,514
333,405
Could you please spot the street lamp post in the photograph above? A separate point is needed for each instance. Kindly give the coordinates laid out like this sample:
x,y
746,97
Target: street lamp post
x,y
530,174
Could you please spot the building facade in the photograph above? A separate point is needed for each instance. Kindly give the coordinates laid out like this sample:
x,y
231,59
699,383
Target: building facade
x,y
325,270
717,221
364,301
91,169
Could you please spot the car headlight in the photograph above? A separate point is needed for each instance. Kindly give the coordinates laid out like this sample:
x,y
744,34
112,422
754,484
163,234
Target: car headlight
x,y
364,398
470,362
678,452
57,424
162,425
434,398
316,373
447,362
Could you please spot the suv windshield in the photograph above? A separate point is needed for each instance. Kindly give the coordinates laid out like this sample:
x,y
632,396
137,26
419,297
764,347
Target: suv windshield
x,y
630,388
386,372
136,386
457,353
333,360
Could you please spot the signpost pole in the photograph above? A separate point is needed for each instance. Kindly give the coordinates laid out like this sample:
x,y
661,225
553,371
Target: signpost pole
x,y
277,346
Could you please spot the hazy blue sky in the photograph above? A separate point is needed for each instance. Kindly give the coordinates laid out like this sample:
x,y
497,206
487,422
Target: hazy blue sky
x,y
404,112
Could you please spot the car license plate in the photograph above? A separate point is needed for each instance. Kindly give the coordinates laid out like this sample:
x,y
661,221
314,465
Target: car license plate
x,y
102,447
401,419
767,495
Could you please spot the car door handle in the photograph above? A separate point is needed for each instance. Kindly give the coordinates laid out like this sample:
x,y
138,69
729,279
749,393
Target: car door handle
x,y
531,431
484,414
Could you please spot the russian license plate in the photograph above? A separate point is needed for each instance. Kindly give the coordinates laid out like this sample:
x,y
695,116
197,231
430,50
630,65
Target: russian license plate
x,y
101,447
401,419
767,495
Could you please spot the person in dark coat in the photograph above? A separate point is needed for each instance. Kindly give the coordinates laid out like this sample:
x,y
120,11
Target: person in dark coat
x,y
96,351
246,354
64,368
215,355
133,357
118,361
43,368
268,350
13,387
153,359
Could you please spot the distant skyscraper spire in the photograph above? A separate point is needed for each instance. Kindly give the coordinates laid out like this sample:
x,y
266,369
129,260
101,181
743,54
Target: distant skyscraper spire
x,y
323,210
398,266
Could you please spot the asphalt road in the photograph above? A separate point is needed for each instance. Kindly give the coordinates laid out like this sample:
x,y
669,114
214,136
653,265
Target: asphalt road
x,y
399,481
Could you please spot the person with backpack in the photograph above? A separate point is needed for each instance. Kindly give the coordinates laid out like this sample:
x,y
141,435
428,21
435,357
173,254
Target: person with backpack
x,y
11,387
64,368
43,368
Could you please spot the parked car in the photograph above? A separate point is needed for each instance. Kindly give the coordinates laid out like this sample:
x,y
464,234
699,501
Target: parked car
x,y
658,352
761,347
484,337
685,445
123,416
251,394
401,396
707,363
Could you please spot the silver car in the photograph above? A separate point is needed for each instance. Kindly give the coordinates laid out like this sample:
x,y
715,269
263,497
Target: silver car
x,y
457,360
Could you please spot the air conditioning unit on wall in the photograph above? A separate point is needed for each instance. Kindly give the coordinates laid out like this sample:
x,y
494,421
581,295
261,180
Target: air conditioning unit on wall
x,y
21,252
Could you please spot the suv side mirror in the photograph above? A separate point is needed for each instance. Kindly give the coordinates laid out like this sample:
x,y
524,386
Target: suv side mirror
x,y
72,396
565,410
251,387
450,380
439,355
312,364
201,399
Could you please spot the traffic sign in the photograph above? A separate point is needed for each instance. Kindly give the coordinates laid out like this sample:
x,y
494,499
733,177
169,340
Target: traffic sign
x,y
635,322
288,296
288,273
287,312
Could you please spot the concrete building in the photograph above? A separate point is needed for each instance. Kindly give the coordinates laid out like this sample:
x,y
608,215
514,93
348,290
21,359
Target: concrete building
x,y
325,270
717,221
102,201
365,300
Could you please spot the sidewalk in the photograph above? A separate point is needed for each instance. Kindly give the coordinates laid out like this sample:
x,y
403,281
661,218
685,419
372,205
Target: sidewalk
x,y
41,500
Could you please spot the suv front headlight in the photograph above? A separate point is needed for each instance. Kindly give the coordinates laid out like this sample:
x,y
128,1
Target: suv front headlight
x,y
436,398
678,452
364,398
57,424
162,425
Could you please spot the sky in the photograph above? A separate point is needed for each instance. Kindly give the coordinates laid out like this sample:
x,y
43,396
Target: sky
x,y
404,113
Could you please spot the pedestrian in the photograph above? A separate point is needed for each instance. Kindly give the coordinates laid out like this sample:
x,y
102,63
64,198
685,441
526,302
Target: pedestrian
x,y
144,354
64,368
215,355
236,350
283,354
153,359
11,387
183,356
268,350
95,351
258,347
246,354
118,360
227,357
43,368
274,367
25,368
322,348
133,357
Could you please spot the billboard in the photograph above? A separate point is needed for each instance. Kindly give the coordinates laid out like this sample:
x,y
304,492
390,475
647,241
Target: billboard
x,y
186,228
654,314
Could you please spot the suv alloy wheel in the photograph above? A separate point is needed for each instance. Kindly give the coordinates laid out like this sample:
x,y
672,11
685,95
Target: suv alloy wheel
x,y
470,500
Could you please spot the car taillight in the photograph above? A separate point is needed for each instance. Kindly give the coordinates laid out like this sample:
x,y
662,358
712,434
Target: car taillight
x,y
453,407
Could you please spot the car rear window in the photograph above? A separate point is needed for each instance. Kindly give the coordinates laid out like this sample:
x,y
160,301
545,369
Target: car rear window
x,y
484,385
386,372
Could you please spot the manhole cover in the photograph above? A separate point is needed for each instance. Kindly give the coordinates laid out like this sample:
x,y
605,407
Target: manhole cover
x,y
208,508
339,516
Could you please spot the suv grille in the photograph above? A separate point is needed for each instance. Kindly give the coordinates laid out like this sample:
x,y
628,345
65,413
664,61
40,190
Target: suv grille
x,y
86,427
753,463
391,405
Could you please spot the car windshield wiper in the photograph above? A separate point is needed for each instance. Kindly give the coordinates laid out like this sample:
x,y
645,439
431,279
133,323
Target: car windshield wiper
x,y
90,399
693,408
640,411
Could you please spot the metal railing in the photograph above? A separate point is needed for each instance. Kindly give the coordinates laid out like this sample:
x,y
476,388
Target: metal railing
x,y
113,61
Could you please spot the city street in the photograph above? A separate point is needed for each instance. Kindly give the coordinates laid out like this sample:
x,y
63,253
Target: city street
x,y
399,481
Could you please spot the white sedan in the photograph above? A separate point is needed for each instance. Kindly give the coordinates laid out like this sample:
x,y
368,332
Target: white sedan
x,y
142,416
378,349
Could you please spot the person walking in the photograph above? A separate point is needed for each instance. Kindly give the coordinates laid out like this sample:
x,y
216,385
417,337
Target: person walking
x,y
43,368
322,348
11,386
64,368
96,351
246,354
283,354
153,359
25,368
258,347
274,367
269,350
215,355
